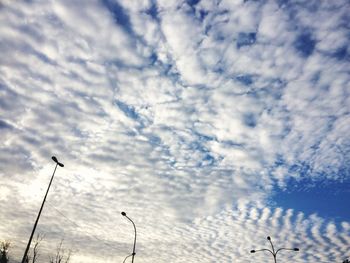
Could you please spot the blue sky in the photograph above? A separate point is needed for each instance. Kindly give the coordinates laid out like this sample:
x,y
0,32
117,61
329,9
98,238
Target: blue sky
x,y
327,199
213,124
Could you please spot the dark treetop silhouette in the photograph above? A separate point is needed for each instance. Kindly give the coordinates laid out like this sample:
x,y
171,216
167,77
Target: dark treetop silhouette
x,y
273,252
133,250
41,208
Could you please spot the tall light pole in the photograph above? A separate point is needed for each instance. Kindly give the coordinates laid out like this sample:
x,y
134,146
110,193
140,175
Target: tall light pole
x,y
133,250
41,208
273,252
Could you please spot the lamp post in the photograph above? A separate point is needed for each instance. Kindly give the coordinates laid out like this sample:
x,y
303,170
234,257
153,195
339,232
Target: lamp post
x,y
41,208
273,252
133,250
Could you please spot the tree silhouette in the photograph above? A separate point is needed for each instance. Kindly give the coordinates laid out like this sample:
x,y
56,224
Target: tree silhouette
x,y
4,251
61,255
35,257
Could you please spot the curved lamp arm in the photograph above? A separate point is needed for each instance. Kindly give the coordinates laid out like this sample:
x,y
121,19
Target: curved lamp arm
x,y
128,257
133,250
273,248
264,249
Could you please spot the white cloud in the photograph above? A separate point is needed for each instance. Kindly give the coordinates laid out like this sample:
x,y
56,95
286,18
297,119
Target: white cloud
x,y
173,118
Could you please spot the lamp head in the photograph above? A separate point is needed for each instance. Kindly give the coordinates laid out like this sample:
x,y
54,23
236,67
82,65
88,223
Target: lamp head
x,y
252,251
268,238
56,161
123,213
296,249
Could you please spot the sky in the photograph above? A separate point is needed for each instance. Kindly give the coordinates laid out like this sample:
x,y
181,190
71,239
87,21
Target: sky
x,y
212,123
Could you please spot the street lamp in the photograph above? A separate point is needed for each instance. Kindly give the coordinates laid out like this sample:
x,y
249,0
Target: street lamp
x,y
273,252
133,250
41,208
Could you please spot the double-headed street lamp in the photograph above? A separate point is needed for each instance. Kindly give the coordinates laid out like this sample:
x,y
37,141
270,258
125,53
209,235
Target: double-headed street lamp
x,y
273,252
41,208
133,250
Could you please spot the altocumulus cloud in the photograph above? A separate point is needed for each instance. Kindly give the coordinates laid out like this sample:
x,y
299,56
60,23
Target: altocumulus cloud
x,y
186,114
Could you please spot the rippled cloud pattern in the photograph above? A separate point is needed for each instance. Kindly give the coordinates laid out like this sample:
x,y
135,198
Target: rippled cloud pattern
x,y
211,123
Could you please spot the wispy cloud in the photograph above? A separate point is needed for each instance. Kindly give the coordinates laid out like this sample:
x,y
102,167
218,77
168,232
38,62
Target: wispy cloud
x,y
174,111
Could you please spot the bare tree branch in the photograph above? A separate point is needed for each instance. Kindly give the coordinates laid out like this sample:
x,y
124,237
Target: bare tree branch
x,y
61,255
